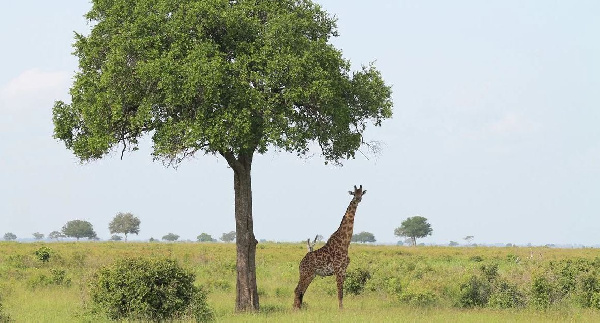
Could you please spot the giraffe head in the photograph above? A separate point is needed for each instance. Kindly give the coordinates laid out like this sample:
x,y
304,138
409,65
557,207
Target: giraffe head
x,y
358,193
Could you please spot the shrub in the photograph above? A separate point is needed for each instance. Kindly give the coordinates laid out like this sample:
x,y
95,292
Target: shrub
x,y
43,254
589,289
142,289
489,271
356,280
541,292
506,295
474,293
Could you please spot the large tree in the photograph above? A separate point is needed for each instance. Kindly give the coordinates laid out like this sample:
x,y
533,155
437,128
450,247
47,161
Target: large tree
x,y
124,223
413,228
79,229
231,78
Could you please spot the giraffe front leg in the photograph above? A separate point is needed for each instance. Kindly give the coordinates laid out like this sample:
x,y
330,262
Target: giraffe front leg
x,y
339,277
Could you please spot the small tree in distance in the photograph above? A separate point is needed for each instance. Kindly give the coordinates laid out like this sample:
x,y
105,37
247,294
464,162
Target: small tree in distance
x,y
115,238
170,237
124,223
79,229
468,239
38,236
205,237
363,237
228,237
9,236
413,228
55,235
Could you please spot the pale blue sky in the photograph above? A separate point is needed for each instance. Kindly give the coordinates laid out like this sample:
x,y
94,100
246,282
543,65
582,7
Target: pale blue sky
x,y
495,133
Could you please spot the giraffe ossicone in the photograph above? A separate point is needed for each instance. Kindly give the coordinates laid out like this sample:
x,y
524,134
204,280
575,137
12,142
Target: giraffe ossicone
x,y
332,258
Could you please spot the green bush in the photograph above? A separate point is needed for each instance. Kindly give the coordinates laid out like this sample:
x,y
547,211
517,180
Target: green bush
x,y
542,292
43,254
143,289
489,271
589,289
506,295
356,280
474,293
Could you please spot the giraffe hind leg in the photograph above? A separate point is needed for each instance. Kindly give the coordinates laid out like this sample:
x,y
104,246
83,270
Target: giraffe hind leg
x,y
305,280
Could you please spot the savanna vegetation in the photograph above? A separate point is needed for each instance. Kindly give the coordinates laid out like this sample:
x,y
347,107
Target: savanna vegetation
x,y
55,282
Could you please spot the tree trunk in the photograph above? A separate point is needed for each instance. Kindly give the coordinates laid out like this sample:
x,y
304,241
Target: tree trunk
x,y
246,290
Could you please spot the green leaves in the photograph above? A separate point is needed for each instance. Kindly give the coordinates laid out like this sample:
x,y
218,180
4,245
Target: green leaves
x,y
414,227
216,76
124,223
79,229
143,289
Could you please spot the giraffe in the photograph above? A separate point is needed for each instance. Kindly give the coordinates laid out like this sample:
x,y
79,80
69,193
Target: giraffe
x,y
332,258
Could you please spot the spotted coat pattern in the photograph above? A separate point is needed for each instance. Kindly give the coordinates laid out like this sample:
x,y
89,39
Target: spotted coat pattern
x,y
331,259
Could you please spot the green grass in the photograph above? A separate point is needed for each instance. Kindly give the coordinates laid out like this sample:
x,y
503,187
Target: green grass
x,y
407,284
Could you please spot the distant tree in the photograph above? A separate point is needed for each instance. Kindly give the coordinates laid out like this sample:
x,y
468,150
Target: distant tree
x,y
228,237
468,239
205,237
38,236
124,223
115,238
9,236
152,239
453,244
363,237
413,228
170,237
56,235
400,243
79,229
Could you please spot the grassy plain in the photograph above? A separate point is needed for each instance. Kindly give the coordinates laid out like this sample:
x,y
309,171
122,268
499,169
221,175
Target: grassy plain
x,y
422,284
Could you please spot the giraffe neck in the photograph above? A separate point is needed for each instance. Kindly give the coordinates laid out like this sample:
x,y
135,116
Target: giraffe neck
x,y
347,226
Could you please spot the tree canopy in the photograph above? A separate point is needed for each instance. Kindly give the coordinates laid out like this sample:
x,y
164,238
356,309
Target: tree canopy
x,y
124,223
170,237
222,77
413,228
9,236
363,237
115,237
79,229
228,237
55,235
38,236
205,237
216,76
